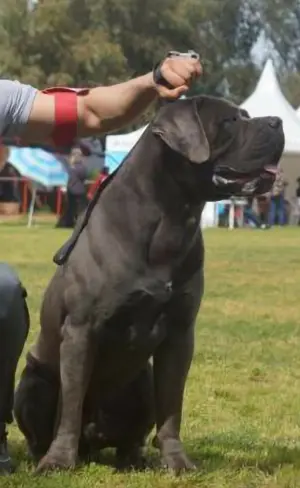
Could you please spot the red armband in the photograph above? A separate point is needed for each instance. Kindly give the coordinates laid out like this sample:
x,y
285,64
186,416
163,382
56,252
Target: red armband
x,y
66,114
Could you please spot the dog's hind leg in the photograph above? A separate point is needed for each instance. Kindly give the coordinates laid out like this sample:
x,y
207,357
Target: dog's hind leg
x,y
139,419
76,361
35,406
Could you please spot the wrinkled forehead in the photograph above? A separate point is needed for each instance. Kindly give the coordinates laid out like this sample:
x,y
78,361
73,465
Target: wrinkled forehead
x,y
218,108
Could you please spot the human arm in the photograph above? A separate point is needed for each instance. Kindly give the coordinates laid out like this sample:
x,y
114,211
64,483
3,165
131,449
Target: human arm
x,y
101,109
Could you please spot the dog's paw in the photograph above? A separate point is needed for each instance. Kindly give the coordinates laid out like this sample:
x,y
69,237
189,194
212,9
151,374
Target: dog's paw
x,y
52,462
174,457
131,459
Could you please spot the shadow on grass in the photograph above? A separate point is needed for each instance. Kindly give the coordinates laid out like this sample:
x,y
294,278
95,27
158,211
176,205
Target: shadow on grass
x,y
210,453
106,458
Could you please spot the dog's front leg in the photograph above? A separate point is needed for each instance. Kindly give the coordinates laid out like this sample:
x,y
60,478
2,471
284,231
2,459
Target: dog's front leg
x,y
76,359
171,365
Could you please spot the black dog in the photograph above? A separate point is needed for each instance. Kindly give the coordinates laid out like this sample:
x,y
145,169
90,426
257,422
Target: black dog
x,y
121,420
132,285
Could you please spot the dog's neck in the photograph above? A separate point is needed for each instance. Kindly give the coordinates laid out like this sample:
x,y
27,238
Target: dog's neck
x,y
173,217
157,171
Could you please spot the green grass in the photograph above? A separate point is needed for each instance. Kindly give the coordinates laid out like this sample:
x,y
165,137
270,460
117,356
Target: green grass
x,y
242,405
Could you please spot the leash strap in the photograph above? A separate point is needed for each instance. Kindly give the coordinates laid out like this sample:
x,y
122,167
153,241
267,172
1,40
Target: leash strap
x,y
61,256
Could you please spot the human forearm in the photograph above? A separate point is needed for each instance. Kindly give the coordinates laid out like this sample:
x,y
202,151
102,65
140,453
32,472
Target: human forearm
x,y
108,108
59,115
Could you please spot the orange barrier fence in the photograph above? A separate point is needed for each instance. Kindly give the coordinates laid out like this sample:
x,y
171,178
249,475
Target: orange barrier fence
x,y
26,186
24,191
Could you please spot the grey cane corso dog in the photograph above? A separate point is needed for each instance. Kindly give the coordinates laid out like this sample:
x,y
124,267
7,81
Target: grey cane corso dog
x,y
131,280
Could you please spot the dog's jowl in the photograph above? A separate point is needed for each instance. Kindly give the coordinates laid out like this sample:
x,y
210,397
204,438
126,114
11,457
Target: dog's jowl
x,y
129,287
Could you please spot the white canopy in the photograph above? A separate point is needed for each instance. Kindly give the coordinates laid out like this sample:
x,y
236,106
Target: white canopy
x,y
268,99
118,146
123,142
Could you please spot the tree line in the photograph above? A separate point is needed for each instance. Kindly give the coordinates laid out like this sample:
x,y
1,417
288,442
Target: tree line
x,y
88,42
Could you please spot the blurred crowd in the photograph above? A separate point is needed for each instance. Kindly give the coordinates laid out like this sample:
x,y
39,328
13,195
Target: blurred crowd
x,y
78,193
86,170
265,211
271,207
10,190
86,174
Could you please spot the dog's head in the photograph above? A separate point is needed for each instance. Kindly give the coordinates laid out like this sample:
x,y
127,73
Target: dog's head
x,y
227,152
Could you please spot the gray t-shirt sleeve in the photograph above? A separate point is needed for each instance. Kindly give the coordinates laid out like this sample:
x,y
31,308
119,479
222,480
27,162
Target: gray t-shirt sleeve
x,y
16,101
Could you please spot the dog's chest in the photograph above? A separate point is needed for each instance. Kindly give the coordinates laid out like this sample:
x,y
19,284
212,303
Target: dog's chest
x,y
173,237
137,324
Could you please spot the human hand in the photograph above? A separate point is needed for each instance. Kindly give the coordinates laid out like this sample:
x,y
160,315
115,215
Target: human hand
x,y
174,75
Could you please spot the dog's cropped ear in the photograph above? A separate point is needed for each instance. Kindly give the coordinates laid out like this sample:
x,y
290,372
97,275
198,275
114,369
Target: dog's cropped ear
x,y
179,125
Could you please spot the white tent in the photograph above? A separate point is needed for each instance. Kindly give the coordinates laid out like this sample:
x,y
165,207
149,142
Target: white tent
x,y
118,146
268,99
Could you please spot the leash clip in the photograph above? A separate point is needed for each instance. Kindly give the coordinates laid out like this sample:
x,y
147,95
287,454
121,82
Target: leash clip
x,y
189,54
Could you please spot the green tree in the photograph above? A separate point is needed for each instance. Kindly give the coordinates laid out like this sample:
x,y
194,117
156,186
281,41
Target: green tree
x,y
77,42
281,23
223,32
16,59
57,43
281,28
72,49
291,88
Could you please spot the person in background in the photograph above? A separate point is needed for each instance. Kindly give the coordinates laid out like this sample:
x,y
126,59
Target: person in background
x,y
298,198
103,174
277,210
9,191
3,156
263,205
14,326
250,216
3,170
298,191
76,191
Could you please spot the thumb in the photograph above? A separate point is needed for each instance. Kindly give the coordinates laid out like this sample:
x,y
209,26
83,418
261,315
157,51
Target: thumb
x,y
181,90
177,92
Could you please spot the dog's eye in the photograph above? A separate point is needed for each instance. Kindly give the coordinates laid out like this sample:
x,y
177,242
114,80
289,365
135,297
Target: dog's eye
x,y
229,121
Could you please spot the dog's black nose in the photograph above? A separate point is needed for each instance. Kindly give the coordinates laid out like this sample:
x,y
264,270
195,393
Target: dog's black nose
x,y
275,122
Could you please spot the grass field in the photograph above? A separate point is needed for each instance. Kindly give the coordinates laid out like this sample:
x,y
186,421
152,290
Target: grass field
x,y
242,405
